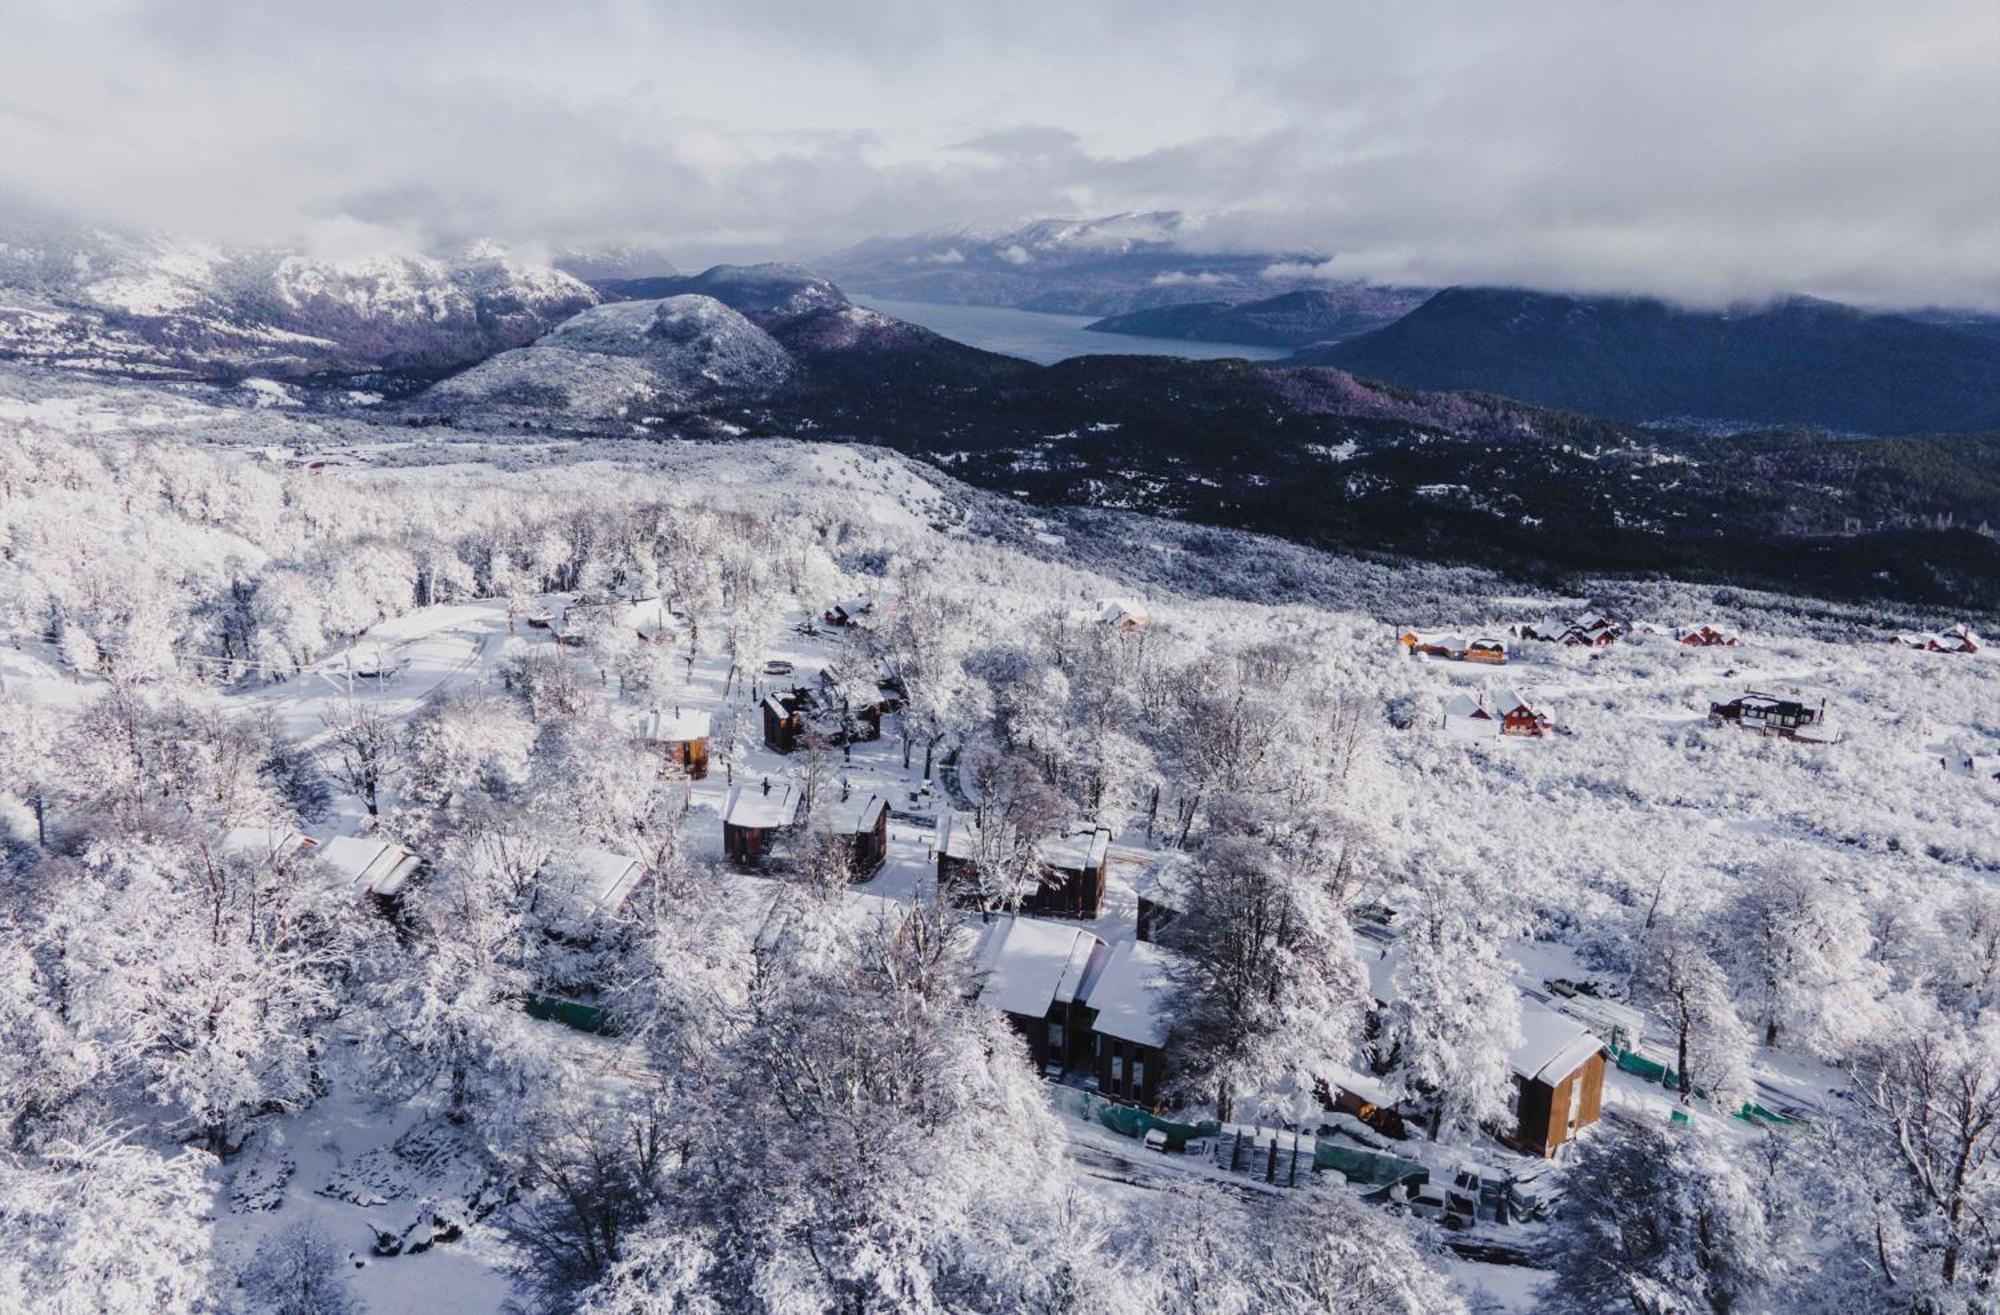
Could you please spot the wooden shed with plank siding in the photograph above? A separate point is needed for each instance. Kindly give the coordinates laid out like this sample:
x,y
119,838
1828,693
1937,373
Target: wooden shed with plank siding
x,y
1558,1079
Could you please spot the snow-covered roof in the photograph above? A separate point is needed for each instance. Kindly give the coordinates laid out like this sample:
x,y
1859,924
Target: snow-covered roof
x,y
957,835
366,865
1512,701
776,706
1130,994
590,881
1026,965
858,812
763,807
1164,880
1552,1046
851,607
1464,705
263,841
673,726
1080,850
1122,612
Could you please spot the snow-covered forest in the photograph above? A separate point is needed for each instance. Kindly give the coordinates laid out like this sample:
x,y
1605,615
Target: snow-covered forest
x,y
369,944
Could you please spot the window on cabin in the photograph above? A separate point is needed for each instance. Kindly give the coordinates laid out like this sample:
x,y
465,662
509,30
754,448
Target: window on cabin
x,y
1055,1040
1138,1075
1117,1072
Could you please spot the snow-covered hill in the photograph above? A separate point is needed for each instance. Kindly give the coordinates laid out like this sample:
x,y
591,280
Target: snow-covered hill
x,y
154,305
625,359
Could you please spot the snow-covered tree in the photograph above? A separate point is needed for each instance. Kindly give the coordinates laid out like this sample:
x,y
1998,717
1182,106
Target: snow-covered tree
x,y
106,1225
1456,1016
1802,956
297,1271
1267,990
1689,990
1657,1220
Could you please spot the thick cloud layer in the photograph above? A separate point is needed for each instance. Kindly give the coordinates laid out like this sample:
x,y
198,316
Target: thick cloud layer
x,y
1708,151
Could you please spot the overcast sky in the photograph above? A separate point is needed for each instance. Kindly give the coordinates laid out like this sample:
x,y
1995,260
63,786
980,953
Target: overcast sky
x,y
1700,150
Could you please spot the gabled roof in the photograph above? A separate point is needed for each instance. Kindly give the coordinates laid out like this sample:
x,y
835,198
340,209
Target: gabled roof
x,y
857,813
1511,701
1081,849
1552,1046
367,865
675,726
268,842
588,882
1464,705
957,835
1026,965
1121,612
755,808
1130,994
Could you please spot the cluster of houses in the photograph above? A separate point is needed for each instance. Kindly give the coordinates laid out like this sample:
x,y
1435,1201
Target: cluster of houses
x,y
760,821
1467,716
1960,638
1591,630
838,708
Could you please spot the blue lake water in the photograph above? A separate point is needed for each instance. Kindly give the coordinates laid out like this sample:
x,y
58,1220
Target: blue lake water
x,y
1044,338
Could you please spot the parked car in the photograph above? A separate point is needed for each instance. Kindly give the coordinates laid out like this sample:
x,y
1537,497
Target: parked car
x,y
777,667
1156,1140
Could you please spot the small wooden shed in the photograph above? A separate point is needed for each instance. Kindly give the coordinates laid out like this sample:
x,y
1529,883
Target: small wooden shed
x,y
1558,1079
784,721
681,736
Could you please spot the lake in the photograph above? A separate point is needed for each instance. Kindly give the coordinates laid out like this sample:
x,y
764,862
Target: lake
x,y
1044,338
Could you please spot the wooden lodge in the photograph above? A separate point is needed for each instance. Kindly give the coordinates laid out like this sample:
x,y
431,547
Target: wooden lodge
x,y
756,818
1072,884
1558,1080
1128,1023
1039,975
846,612
1703,636
1768,714
1469,718
864,820
680,736
956,848
1557,1067
1453,648
784,720
1520,717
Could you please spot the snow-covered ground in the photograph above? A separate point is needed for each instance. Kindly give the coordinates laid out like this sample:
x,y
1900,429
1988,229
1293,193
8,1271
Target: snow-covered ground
x,y
1571,849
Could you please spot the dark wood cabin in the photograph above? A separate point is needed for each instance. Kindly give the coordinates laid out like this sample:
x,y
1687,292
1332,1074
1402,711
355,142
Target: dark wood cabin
x,y
1128,1025
956,848
756,819
864,820
1038,975
1072,884
784,721
1768,714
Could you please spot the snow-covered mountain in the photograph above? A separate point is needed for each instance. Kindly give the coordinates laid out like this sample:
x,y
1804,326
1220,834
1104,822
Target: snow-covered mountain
x,y
626,358
1111,265
106,301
